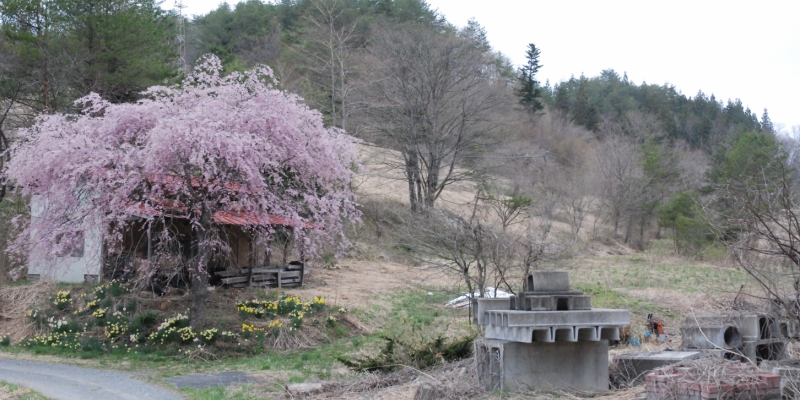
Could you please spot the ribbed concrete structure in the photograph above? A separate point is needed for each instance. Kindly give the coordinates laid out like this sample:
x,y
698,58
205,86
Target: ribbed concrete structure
x,y
546,336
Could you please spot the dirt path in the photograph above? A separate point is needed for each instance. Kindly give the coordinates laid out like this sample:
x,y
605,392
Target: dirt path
x,y
359,282
68,382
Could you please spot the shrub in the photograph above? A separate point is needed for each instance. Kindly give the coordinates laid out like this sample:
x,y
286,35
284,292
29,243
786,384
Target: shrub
x,y
100,313
172,330
5,340
114,329
209,336
318,304
145,319
63,300
289,304
257,308
115,288
297,319
418,354
228,336
90,344
62,325
274,328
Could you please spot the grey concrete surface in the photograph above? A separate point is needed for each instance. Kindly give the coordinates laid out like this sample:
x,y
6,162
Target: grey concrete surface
x,y
711,337
595,316
211,379
69,382
543,281
504,365
633,366
482,305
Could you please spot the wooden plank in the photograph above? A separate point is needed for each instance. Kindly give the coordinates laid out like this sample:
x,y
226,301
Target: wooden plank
x,y
272,283
228,273
265,270
292,274
263,276
237,279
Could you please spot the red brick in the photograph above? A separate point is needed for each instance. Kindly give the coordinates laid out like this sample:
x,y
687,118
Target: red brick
x,y
772,380
752,386
711,389
688,386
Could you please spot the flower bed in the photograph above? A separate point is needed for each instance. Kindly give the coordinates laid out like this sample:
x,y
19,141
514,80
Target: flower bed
x,y
104,318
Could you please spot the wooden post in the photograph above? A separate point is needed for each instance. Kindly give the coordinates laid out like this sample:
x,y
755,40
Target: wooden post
x,y
302,264
249,258
149,244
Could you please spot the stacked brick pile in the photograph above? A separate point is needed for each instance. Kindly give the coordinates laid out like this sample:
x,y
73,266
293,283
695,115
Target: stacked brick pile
x,y
704,381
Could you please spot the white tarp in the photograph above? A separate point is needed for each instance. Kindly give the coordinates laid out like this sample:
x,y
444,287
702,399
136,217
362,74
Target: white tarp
x,y
490,292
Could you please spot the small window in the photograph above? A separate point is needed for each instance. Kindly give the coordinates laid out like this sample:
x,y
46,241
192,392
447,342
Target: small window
x,y
71,244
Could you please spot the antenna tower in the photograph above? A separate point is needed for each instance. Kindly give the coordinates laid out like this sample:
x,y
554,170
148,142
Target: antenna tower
x,y
180,39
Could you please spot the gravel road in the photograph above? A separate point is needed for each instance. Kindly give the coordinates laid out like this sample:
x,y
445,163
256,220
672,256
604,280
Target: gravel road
x,y
68,382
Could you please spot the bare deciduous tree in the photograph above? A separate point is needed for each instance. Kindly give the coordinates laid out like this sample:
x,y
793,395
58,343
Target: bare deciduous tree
x,y
768,246
432,100
619,170
333,55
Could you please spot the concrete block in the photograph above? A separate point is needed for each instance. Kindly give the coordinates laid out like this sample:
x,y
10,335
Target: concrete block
x,y
790,380
596,316
748,326
556,301
633,366
710,337
580,303
547,281
504,365
537,303
427,392
482,305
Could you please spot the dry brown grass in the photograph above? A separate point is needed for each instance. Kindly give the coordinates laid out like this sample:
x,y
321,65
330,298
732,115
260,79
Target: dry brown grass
x,y
15,301
457,380
7,393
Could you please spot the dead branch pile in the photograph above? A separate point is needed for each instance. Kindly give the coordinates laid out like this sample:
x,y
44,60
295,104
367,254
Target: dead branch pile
x,y
308,337
457,380
714,370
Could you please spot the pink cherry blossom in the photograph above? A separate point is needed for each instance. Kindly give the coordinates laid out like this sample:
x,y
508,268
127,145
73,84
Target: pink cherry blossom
x,y
215,143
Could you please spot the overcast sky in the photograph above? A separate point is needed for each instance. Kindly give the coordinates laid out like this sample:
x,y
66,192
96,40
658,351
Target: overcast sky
x,y
746,50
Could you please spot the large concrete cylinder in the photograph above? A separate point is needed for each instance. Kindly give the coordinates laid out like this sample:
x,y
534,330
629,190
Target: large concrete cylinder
x,y
711,337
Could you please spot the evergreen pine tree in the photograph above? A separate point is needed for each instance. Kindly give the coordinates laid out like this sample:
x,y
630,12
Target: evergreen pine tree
x,y
477,34
585,112
766,123
528,91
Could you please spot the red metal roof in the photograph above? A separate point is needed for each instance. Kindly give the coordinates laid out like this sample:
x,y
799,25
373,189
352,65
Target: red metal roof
x,y
253,219
243,218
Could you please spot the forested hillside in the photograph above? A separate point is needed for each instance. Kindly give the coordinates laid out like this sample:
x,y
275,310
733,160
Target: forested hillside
x,y
607,157
703,122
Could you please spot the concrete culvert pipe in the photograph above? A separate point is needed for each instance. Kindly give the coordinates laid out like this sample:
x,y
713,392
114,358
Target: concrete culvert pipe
x,y
711,337
732,337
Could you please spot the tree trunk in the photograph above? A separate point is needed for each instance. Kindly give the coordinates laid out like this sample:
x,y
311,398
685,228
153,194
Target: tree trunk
x,y
412,173
198,271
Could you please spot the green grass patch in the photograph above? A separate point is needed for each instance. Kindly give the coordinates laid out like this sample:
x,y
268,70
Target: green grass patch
x,y
607,298
231,393
421,310
637,273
